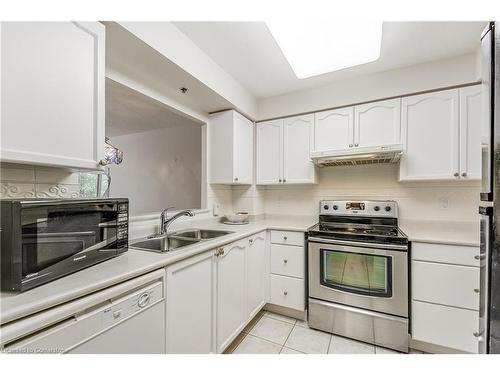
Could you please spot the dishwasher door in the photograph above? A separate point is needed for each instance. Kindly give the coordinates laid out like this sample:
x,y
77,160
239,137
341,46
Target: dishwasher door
x,y
126,319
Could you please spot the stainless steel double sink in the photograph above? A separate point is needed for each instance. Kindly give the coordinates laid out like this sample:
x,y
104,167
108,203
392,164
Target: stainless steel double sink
x,y
177,240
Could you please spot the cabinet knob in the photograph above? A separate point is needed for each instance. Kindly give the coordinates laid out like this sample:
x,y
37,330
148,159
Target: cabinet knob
x,y
456,174
285,293
477,334
251,241
464,174
285,261
284,180
356,144
285,238
236,179
279,180
476,290
350,145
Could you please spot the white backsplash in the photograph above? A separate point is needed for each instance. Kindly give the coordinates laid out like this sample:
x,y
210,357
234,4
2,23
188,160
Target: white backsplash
x,y
26,181
424,200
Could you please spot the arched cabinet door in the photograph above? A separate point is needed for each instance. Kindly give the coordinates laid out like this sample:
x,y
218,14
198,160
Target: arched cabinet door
x,y
430,132
231,292
256,273
333,130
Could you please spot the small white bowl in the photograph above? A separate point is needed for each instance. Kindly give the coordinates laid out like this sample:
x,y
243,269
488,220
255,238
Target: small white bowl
x,y
237,217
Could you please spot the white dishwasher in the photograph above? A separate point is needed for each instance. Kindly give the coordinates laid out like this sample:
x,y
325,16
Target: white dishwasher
x,y
126,318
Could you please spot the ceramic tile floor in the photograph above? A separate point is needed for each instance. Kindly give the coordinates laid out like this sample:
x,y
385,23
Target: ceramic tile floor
x,y
270,333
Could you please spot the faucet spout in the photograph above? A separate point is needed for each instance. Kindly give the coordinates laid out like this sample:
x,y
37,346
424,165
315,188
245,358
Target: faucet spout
x,y
165,221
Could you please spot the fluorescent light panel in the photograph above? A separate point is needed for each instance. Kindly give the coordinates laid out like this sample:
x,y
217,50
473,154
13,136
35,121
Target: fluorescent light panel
x,y
319,47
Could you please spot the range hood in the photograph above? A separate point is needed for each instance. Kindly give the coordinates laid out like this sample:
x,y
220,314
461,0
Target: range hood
x,y
358,156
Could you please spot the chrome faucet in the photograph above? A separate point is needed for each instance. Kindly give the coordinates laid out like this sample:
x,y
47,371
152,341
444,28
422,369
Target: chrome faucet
x,y
165,222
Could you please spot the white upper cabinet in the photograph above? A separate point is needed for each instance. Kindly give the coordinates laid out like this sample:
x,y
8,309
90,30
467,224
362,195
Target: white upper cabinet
x,y
231,293
334,130
441,135
283,151
470,132
230,149
298,138
52,93
269,152
430,129
378,123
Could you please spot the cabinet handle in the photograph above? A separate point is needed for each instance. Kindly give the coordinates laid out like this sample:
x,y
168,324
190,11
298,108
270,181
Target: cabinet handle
x,y
285,238
477,334
285,293
476,290
350,145
251,241
236,179
464,174
479,257
279,180
356,144
456,174
284,180
285,261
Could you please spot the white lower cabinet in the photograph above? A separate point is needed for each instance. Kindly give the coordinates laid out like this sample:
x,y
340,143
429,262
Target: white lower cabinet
x,y
231,287
446,326
445,295
191,305
256,274
287,292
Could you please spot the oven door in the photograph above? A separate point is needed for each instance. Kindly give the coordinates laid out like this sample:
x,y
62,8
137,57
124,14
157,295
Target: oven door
x,y
359,275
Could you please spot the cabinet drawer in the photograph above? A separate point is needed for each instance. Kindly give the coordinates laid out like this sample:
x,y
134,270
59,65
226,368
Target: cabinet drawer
x,y
446,284
446,326
287,260
288,292
287,238
453,254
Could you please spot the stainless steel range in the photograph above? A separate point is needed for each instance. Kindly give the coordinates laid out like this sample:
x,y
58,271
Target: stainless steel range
x,y
358,273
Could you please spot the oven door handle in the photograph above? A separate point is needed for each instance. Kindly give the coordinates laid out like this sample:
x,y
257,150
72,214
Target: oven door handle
x,y
359,244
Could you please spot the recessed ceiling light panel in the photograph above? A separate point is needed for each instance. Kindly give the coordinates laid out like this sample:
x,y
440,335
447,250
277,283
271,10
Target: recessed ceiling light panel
x,y
319,47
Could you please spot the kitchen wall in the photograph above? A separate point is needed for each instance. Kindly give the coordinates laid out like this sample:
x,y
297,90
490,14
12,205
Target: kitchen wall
x,y
27,181
160,168
424,201
396,82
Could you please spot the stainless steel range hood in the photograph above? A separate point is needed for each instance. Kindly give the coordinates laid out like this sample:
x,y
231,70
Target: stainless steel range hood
x,y
358,156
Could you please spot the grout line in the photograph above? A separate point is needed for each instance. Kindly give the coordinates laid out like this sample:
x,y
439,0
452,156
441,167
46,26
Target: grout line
x,y
329,344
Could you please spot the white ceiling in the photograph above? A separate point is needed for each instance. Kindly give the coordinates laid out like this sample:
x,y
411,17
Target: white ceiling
x,y
248,52
129,111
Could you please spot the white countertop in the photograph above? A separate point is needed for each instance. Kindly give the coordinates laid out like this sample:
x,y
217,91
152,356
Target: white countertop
x,y
134,263
463,233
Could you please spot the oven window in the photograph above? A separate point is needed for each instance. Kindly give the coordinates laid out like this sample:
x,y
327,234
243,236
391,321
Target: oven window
x,y
54,235
365,274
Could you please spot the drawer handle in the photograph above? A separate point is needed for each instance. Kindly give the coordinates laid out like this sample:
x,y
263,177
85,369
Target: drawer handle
x,y
285,261
285,293
476,290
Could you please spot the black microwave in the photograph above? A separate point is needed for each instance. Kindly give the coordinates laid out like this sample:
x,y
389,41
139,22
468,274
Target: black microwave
x,y
45,239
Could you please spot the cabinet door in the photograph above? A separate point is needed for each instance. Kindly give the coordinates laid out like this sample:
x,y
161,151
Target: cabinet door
x,y
430,130
231,293
333,130
243,150
191,305
470,132
269,152
52,93
298,137
377,124
256,274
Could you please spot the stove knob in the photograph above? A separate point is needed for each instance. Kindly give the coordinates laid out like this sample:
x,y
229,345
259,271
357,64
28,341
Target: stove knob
x,y
326,207
335,207
387,208
376,208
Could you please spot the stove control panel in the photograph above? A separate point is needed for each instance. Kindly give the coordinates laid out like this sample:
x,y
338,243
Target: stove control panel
x,y
359,208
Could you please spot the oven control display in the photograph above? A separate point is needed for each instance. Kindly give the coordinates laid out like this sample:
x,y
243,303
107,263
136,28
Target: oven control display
x,y
356,206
